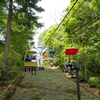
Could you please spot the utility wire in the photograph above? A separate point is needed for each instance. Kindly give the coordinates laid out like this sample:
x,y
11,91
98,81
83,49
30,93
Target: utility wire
x,y
62,21
82,31
80,26
88,28
86,23
75,11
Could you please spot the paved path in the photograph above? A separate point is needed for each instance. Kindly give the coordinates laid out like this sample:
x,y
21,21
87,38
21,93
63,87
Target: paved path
x,y
49,84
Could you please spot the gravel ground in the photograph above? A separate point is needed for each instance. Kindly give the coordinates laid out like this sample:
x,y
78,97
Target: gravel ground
x,y
49,84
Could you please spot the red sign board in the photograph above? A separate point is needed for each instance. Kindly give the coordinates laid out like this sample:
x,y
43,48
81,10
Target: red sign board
x,y
71,51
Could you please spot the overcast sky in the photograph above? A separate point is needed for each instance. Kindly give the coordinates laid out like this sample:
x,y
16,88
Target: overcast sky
x,y
54,9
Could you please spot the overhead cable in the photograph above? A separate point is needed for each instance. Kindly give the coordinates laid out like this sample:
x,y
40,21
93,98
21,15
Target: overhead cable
x,y
75,11
86,23
83,24
89,27
81,32
62,21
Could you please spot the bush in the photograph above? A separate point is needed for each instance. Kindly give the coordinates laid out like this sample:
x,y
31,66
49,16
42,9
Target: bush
x,y
93,81
72,73
13,63
98,85
14,58
81,74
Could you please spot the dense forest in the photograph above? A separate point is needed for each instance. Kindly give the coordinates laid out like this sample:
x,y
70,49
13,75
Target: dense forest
x,y
18,24
79,28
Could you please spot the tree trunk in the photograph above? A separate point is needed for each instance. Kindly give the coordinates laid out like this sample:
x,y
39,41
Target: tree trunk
x,y
4,71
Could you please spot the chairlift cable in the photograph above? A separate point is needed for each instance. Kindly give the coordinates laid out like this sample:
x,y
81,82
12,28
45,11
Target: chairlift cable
x,y
76,9
84,30
82,25
86,23
70,17
87,28
62,21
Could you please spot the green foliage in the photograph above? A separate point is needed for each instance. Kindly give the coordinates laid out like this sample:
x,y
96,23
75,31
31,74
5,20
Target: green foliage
x,y
48,34
93,62
85,37
13,58
98,85
1,47
14,71
82,74
41,37
48,79
23,19
52,64
95,4
58,85
70,97
27,10
93,81
1,58
38,84
14,63
60,63
46,63
36,96
72,73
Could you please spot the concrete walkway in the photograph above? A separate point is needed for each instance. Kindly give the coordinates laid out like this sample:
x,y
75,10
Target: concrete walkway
x,y
49,84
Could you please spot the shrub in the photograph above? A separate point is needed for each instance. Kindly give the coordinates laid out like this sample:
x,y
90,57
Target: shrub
x,y
93,81
98,85
13,64
15,70
81,74
14,58
72,73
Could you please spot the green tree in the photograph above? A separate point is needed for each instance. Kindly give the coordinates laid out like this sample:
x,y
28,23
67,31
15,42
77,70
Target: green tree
x,y
21,14
81,25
